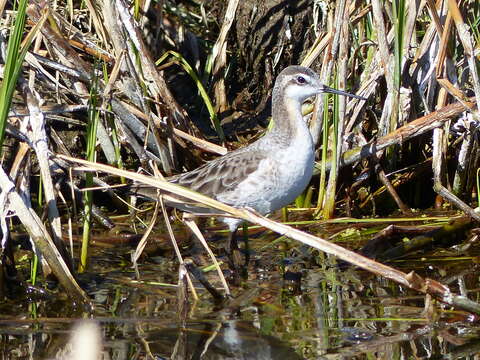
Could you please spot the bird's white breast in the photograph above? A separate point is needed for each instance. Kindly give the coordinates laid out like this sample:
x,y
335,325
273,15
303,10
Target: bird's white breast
x,y
283,173
295,170
279,178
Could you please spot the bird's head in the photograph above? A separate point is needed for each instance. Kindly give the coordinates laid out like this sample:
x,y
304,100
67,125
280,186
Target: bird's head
x,y
299,83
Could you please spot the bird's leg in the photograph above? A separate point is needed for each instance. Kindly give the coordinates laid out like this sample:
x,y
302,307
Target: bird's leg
x,y
246,248
233,252
234,256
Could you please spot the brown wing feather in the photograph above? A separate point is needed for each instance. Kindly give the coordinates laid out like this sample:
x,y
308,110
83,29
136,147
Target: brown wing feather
x,y
220,175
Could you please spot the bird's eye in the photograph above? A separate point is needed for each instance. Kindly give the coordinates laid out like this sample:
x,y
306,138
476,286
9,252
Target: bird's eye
x,y
301,80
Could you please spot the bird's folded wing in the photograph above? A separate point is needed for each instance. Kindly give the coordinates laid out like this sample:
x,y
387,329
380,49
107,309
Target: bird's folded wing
x,y
214,179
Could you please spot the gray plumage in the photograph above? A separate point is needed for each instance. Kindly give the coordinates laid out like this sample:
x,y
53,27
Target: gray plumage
x,y
272,171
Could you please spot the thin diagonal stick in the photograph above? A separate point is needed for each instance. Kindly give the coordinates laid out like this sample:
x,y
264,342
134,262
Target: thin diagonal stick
x,y
143,242
175,245
196,231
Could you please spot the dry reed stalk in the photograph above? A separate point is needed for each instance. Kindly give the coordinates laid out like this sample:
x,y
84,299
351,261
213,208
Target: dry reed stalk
x,y
411,280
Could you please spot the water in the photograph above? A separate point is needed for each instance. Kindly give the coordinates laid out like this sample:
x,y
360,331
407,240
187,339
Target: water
x,y
297,304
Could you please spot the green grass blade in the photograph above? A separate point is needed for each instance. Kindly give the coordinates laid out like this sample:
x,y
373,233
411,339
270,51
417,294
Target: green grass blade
x,y
13,66
323,169
478,187
399,14
201,89
93,118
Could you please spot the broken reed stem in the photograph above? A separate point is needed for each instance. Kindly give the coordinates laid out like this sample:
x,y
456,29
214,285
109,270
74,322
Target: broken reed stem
x,y
411,280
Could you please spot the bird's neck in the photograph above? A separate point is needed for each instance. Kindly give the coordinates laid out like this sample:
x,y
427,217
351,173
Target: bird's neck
x,y
287,121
